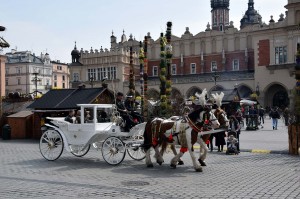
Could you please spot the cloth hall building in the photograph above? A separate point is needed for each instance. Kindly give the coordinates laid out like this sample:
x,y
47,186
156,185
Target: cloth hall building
x,y
256,57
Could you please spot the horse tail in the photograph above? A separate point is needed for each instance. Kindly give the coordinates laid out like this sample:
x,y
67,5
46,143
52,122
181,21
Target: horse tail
x,y
147,136
164,145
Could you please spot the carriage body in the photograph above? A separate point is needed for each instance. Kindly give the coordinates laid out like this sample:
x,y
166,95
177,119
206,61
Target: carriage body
x,y
101,133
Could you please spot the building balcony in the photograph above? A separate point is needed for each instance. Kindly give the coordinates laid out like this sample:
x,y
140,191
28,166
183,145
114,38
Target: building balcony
x,y
286,66
203,78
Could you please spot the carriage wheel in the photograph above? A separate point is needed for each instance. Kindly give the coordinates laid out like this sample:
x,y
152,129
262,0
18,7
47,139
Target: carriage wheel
x,y
76,150
113,150
51,145
136,152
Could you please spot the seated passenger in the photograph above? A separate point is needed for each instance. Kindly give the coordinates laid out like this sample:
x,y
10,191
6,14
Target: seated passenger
x,y
87,117
103,117
78,117
69,118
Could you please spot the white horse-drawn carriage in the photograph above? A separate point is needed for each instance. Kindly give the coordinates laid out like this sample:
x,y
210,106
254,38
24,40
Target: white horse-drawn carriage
x,y
106,135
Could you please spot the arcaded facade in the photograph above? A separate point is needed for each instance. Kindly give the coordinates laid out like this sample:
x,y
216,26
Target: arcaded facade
x,y
255,57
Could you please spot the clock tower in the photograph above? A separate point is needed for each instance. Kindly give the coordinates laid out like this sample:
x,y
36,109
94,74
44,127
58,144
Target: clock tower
x,y
219,14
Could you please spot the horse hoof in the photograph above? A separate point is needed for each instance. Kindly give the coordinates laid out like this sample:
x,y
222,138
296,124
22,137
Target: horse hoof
x,y
202,163
160,163
180,162
173,166
150,165
198,170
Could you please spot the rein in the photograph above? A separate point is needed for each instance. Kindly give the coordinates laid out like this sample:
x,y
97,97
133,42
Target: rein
x,y
192,124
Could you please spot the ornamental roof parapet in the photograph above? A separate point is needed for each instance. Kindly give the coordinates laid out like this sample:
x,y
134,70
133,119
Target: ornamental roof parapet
x,y
106,53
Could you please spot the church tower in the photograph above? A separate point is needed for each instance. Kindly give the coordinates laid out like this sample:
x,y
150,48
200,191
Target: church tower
x,y
251,16
219,14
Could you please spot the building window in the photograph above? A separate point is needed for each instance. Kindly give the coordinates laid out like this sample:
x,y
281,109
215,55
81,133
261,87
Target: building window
x,y
19,70
235,65
155,71
55,77
19,81
63,85
193,68
55,84
75,77
101,73
113,73
108,73
6,71
213,66
6,82
63,78
280,55
91,74
173,69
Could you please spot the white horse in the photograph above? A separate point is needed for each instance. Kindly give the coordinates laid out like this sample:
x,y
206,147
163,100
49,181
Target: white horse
x,y
158,131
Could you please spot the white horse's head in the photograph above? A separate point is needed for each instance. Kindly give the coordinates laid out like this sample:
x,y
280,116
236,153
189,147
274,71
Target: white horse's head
x,y
214,121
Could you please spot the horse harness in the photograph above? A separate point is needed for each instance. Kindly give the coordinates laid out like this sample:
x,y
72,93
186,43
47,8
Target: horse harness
x,y
156,130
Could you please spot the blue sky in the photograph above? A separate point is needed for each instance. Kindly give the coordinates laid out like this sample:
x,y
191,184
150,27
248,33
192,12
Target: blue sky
x,y
53,26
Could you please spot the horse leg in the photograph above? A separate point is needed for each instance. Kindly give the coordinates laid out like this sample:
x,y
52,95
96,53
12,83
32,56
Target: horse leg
x,y
158,156
180,162
176,159
148,158
203,152
197,167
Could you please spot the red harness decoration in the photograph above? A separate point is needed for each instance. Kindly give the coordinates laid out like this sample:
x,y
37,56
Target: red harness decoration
x,y
154,141
183,149
170,138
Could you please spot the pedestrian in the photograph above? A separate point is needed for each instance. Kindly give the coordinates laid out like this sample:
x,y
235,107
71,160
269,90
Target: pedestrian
x,y
286,115
253,117
261,114
234,125
274,114
70,116
210,142
220,140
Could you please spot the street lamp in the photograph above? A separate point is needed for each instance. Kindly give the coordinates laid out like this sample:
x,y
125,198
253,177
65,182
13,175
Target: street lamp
x,y
257,89
35,80
92,81
215,75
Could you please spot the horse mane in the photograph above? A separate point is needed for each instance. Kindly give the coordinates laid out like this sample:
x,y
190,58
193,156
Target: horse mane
x,y
194,115
218,98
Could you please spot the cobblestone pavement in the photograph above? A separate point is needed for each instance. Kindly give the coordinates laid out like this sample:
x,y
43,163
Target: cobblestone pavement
x,y
24,173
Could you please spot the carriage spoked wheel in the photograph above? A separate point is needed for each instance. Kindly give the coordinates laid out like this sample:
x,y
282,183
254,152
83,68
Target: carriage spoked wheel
x,y
113,150
51,145
134,150
77,150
